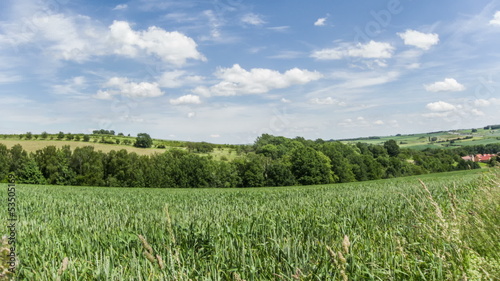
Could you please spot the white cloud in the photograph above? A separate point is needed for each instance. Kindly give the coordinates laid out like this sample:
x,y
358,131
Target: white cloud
x,y
279,28
187,99
215,136
379,122
448,85
418,39
496,19
324,101
122,86
486,103
320,22
120,7
440,106
71,87
177,78
83,38
370,50
252,19
355,80
173,47
482,103
283,100
214,23
238,81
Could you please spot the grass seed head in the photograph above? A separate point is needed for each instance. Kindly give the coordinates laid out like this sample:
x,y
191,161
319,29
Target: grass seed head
x,y
145,244
64,266
150,257
160,262
346,244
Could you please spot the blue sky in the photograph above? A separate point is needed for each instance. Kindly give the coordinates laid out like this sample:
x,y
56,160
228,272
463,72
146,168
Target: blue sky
x,y
226,71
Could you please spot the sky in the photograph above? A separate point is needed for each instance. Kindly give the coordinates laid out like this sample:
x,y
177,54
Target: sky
x,y
227,71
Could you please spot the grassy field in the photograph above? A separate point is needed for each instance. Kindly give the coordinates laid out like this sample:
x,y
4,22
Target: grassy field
x,y
421,141
34,145
378,230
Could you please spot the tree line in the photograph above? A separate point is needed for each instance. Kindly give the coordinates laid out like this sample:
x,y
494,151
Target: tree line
x,y
270,161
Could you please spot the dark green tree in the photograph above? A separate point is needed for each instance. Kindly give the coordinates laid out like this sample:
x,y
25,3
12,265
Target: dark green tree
x,y
18,157
143,140
30,173
88,166
250,170
337,152
392,148
311,167
279,173
4,162
60,136
44,135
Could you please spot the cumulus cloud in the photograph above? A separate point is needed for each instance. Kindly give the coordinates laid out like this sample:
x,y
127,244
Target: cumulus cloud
x,y
448,85
379,122
370,50
83,38
122,86
173,47
496,19
120,7
440,106
320,22
187,99
237,80
252,19
418,39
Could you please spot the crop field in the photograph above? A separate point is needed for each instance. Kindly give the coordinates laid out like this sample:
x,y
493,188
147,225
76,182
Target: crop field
x,y
445,228
421,141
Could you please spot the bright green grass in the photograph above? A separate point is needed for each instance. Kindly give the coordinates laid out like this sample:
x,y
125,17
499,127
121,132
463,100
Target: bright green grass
x,y
252,234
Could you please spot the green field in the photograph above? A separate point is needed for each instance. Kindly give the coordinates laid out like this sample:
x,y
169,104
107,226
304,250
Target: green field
x,y
421,141
375,230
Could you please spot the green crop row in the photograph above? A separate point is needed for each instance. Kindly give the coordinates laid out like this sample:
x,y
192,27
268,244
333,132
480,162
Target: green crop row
x,y
445,228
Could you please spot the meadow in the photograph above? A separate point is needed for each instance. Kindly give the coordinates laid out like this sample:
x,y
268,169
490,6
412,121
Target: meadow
x,y
443,228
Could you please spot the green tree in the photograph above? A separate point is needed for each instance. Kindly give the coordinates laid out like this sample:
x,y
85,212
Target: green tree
x,y
29,135
337,152
88,166
44,135
143,140
250,170
392,148
60,136
279,173
54,164
86,138
4,162
311,167
30,173
18,157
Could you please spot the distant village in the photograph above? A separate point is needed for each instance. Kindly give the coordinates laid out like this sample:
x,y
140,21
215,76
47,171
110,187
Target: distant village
x,y
484,158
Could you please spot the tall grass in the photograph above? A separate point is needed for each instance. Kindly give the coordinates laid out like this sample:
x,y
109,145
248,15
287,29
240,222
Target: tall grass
x,y
445,228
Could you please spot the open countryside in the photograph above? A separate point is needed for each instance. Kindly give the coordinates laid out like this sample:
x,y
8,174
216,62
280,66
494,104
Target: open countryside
x,y
249,140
